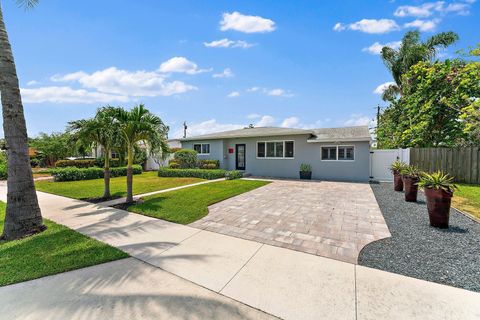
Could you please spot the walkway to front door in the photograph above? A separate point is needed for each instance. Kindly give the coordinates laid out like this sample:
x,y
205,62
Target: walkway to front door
x,y
331,219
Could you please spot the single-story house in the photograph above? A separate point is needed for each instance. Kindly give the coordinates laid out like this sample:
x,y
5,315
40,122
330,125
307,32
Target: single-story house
x,y
333,153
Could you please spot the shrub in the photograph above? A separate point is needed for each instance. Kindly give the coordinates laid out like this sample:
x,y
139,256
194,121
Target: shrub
x,y
173,164
208,164
74,174
3,171
100,162
305,167
234,174
34,162
80,163
192,173
186,158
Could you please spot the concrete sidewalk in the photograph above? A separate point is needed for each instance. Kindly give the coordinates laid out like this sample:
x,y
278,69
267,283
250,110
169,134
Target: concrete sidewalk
x,y
281,282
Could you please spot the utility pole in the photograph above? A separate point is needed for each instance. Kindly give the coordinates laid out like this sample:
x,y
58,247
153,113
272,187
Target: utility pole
x,y
184,129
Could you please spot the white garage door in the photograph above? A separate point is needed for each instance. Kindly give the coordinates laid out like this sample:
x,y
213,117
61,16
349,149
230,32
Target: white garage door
x,y
380,161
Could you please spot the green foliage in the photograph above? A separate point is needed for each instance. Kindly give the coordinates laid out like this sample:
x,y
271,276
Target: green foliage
x,y
410,171
173,164
186,158
437,180
80,163
398,166
411,51
234,174
208,164
305,167
100,162
140,155
54,146
439,107
74,174
3,166
194,173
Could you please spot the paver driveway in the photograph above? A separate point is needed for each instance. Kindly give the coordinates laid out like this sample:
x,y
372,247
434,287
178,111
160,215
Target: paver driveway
x,y
331,219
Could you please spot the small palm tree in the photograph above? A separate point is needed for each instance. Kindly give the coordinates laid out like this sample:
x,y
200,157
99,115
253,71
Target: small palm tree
x,y
411,51
100,130
23,216
135,125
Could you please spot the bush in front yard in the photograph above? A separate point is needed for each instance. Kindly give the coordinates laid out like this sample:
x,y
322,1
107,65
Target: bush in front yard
x,y
74,174
80,163
173,164
234,174
208,164
186,158
208,174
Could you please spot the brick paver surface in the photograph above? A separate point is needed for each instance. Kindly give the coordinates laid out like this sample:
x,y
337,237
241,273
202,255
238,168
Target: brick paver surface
x,y
330,219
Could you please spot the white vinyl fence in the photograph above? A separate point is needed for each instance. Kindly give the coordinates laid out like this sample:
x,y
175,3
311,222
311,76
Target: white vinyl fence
x,y
381,159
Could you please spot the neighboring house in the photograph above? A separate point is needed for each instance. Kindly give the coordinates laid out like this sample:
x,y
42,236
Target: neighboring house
x,y
333,153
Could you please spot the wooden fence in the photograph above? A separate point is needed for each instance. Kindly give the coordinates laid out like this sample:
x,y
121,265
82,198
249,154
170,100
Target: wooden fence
x,y
462,163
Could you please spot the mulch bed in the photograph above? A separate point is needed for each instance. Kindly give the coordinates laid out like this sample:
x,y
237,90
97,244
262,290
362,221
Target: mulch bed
x,y
447,256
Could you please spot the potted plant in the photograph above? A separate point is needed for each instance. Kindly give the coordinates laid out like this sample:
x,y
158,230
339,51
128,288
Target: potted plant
x,y
410,177
396,169
439,189
305,171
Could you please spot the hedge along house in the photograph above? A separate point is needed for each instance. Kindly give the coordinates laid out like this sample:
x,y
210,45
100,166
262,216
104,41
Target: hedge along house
x,y
333,153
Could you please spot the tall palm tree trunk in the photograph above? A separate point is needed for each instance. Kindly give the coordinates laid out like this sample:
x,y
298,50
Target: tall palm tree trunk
x,y
130,174
106,175
23,216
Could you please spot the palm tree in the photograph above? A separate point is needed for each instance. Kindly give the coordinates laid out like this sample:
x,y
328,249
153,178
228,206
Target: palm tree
x,y
23,216
139,124
411,51
100,130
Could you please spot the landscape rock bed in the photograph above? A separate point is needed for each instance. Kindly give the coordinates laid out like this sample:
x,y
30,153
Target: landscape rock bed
x,y
447,256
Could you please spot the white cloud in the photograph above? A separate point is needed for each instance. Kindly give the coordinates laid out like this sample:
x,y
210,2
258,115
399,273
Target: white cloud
x,y
244,23
254,116
226,43
278,93
382,87
123,82
421,11
358,120
233,94
205,127
55,94
373,26
430,8
423,25
377,47
226,73
253,89
265,121
180,65
291,122
32,83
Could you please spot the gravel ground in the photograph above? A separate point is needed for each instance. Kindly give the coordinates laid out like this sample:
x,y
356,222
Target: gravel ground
x,y
450,256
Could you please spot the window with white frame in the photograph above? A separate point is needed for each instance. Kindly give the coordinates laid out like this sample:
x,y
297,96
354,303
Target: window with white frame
x,y
275,149
335,153
202,148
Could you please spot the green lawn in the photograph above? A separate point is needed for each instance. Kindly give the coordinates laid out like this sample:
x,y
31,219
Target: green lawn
x,y
90,189
188,205
57,249
467,199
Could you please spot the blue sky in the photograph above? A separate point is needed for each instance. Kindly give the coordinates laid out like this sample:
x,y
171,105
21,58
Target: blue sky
x,y
217,65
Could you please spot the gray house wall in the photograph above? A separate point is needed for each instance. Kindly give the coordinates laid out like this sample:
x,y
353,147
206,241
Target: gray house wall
x,y
216,150
304,152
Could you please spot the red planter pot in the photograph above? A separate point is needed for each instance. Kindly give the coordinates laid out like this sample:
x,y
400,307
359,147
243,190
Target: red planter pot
x,y
397,181
411,188
438,204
